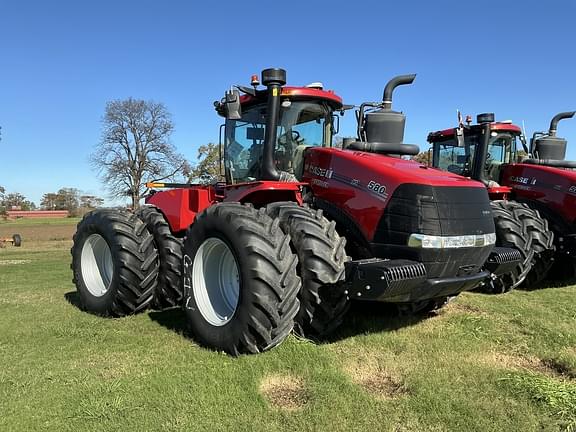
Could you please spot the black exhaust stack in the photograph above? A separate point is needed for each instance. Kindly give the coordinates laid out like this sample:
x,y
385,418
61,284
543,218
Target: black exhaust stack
x,y
560,116
274,79
481,152
382,130
391,86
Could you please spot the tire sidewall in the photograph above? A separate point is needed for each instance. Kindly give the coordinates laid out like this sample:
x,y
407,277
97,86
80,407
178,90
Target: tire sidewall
x,y
227,335
99,305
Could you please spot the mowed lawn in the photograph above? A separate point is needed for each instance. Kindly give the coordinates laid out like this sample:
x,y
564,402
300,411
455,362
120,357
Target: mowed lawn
x,y
484,363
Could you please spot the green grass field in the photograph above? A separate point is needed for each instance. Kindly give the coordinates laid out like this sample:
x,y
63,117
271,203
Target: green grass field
x,y
484,363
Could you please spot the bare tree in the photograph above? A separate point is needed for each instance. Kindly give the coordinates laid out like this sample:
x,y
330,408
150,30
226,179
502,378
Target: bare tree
x,y
135,148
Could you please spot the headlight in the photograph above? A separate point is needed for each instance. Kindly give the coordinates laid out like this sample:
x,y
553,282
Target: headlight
x,y
451,242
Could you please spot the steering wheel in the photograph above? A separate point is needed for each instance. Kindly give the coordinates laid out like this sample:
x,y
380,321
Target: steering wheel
x,y
291,135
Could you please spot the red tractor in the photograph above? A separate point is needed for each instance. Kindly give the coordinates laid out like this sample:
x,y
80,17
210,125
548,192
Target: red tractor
x,y
297,229
528,195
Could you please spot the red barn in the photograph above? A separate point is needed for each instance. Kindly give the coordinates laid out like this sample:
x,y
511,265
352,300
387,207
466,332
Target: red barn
x,y
38,214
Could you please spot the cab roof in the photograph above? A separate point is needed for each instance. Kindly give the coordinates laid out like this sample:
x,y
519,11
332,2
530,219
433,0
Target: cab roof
x,y
295,93
476,128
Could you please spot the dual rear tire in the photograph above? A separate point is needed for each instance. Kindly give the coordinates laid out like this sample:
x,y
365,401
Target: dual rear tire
x,y
168,291
115,263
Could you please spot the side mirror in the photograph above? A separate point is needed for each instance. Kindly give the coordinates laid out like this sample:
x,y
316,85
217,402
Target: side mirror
x,y
335,124
232,107
460,137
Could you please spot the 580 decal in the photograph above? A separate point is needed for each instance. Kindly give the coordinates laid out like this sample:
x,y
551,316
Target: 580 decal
x,y
380,189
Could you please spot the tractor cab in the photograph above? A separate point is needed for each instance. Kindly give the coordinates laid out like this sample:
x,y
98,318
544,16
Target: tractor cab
x,y
301,124
291,119
478,151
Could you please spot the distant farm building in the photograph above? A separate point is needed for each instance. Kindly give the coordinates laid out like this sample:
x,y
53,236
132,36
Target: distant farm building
x,y
14,214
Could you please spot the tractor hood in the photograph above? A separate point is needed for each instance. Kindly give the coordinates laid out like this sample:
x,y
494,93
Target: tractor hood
x,y
363,185
392,170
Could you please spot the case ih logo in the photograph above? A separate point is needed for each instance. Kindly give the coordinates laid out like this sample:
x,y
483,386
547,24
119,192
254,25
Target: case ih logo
x,y
319,171
572,190
523,180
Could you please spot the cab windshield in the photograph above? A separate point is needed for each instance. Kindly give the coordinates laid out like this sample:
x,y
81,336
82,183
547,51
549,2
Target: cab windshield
x,y
502,149
301,125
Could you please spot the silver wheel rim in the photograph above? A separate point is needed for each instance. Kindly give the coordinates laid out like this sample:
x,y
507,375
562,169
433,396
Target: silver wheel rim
x,y
97,265
215,281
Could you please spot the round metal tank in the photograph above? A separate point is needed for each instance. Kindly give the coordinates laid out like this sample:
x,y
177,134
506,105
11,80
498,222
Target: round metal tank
x,y
385,126
551,147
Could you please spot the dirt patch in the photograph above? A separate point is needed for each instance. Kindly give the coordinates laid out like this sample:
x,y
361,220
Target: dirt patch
x,y
532,363
376,380
454,306
560,368
15,262
286,392
36,233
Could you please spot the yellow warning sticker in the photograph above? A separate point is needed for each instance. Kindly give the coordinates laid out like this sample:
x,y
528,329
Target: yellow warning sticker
x,y
274,92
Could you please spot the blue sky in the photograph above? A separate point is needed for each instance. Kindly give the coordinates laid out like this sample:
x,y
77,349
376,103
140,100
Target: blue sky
x,y
61,61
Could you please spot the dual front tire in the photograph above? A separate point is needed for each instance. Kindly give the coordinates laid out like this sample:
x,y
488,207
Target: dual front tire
x,y
521,227
240,280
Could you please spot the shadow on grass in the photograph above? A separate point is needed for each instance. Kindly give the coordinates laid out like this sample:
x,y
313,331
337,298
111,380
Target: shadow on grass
x,y
373,317
362,318
550,283
173,319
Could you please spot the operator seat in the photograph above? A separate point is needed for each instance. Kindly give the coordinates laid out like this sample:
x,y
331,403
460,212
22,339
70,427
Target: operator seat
x,y
298,160
493,169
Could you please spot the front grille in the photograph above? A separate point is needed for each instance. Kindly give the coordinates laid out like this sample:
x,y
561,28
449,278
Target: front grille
x,y
435,210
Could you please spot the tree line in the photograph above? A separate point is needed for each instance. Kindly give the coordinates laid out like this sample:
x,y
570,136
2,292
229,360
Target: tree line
x,y
70,199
